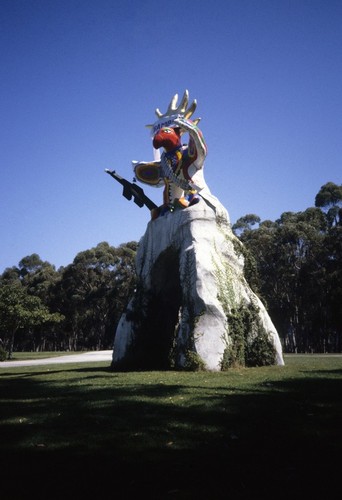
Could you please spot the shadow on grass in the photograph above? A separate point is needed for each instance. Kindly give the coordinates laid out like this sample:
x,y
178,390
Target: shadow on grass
x,y
93,429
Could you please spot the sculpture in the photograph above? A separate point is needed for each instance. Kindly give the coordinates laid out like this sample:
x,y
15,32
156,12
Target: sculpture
x,y
180,167
191,290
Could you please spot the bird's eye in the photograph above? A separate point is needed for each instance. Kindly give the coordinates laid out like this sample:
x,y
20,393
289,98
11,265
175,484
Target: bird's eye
x,y
167,130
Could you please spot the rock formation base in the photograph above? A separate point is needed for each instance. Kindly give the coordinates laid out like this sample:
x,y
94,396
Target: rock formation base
x,y
190,283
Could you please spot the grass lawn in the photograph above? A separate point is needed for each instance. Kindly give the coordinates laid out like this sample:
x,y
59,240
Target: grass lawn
x,y
81,431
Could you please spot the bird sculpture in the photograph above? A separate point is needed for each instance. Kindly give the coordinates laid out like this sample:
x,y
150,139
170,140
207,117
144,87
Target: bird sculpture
x,y
180,166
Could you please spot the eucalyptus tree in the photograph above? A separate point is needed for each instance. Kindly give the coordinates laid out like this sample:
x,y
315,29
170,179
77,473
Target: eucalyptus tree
x,y
20,311
288,255
37,279
38,276
329,198
333,249
92,293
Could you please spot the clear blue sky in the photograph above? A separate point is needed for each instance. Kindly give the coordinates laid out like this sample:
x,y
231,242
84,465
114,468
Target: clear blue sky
x,y
79,80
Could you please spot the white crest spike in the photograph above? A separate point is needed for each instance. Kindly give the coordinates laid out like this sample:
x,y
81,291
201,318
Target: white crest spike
x,y
173,104
178,109
185,101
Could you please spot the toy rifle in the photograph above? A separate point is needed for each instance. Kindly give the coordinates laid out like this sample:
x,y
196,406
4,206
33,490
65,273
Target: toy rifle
x,y
130,189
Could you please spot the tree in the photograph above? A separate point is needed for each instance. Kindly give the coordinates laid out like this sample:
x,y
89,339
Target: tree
x,y
93,292
289,255
19,310
330,198
37,276
245,223
30,264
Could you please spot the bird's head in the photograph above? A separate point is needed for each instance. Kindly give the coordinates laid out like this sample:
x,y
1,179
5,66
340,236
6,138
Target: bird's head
x,y
168,138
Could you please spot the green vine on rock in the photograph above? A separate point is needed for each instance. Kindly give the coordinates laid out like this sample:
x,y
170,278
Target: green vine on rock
x,y
249,343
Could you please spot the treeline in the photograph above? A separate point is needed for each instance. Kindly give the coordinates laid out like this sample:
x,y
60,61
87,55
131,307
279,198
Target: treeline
x,y
73,308
294,264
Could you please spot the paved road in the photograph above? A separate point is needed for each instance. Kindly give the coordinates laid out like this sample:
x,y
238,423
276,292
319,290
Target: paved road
x,y
87,357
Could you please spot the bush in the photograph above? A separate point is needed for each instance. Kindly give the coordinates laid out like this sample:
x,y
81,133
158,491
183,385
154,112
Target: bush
x,y
250,344
194,362
260,351
3,354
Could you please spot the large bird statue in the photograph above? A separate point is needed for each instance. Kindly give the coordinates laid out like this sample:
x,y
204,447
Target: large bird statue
x,y
180,166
